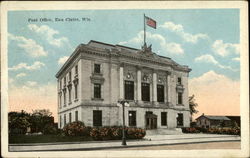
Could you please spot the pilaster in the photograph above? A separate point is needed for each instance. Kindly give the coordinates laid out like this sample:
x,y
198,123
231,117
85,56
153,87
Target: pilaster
x,y
138,84
168,88
154,87
121,82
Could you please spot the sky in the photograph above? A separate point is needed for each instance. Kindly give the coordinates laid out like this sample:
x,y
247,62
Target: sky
x,y
207,40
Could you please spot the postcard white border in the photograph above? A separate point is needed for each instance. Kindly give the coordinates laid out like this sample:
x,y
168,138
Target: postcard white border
x,y
48,5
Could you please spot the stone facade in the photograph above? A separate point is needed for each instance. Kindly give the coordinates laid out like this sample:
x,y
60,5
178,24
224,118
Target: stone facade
x,y
81,90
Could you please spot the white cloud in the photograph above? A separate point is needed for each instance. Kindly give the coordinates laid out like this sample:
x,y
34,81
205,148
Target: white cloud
x,y
216,94
236,59
31,83
62,60
36,65
224,49
170,47
207,58
29,45
49,34
21,75
179,30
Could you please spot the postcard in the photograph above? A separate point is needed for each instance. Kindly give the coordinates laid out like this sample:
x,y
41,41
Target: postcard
x,y
124,79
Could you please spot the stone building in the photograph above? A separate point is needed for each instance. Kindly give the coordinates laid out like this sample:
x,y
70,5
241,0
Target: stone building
x,y
97,75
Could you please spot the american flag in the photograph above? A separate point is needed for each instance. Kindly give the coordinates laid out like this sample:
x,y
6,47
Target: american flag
x,y
150,22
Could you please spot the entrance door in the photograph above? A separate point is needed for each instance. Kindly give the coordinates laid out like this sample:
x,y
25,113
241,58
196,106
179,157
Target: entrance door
x,y
151,120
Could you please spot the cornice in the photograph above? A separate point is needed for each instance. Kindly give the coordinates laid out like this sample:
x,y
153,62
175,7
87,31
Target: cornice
x,y
91,104
123,56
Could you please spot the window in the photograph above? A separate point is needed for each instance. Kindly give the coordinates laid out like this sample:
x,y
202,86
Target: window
x,y
145,91
64,119
60,99
97,68
76,90
70,117
180,119
164,118
129,90
179,80
64,97
179,98
97,90
160,93
60,85
132,118
70,95
76,69
64,81
60,122
97,118
76,115
70,76
147,119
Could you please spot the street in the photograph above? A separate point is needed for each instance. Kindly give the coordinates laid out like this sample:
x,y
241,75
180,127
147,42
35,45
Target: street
x,y
154,142
197,146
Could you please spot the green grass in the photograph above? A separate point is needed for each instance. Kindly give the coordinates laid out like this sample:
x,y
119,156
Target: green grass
x,y
19,139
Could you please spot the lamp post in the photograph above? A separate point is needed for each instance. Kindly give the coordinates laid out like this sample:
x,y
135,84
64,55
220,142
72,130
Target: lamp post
x,y
123,102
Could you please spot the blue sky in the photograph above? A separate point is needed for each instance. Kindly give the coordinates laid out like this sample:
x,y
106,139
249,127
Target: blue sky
x,y
207,40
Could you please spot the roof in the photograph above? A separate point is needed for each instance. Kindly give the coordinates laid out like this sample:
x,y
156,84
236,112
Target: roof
x,y
131,50
110,46
211,117
103,47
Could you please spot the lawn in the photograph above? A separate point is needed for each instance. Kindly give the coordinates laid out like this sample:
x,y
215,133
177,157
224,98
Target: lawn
x,y
19,139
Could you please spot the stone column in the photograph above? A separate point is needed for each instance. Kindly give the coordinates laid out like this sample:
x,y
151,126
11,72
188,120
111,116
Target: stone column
x,y
121,83
139,85
168,89
154,87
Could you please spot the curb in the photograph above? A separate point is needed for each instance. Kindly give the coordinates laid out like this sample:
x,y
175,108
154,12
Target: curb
x,y
82,142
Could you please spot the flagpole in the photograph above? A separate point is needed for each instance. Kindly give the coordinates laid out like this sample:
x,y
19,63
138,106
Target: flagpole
x,y
144,32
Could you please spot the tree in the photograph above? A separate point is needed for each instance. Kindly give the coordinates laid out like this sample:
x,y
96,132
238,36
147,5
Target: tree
x,y
192,105
40,119
42,112
18,122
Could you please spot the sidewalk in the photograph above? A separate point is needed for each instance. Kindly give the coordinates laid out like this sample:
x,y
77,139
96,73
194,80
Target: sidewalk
x,y
151,140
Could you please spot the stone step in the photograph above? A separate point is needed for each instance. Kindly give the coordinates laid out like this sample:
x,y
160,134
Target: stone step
x,y
173,131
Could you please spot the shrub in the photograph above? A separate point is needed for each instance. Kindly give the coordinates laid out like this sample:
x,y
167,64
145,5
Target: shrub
x,y
135,133
190,130
116,132
201,129
76,129
113,133
101,133
225,130
50,129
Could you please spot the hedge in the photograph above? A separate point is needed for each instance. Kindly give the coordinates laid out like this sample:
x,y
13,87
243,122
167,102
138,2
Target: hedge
x,y
102,133
190,130
76,128
231,131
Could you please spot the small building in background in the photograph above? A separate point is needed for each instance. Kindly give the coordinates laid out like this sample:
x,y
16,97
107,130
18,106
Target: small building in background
x,y
234,120
209,121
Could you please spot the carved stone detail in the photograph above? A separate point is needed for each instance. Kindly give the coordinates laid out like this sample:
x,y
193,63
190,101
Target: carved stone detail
x,y
147,77
97,79
129,75
161,79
